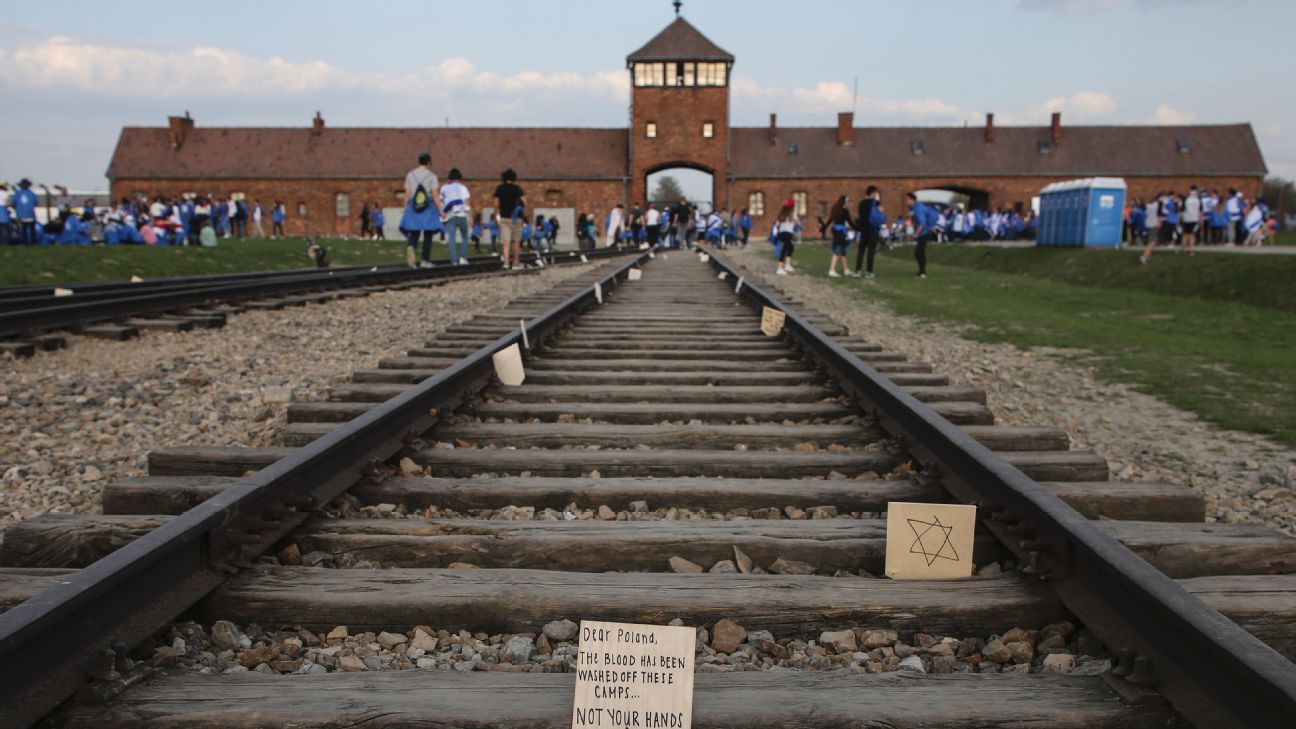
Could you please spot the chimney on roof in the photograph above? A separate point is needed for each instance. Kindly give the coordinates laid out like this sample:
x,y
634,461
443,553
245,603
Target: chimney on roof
x,y
179,128
846,129
317,124
773,130
1057,128
989,131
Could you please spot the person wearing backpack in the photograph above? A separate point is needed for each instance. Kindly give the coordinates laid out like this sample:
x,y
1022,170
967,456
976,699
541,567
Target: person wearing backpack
x,y
871,219
422,217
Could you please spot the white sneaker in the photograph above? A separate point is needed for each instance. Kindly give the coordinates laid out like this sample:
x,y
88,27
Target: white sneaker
x,y
425,264
851,274
869,276
463,261
781,272
834,274
790,269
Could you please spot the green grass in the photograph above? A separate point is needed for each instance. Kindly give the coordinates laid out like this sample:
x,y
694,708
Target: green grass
x,y
77,264
1256,279
1234,364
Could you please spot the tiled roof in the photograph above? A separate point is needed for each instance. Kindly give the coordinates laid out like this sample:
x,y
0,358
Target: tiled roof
x,y
680,41
958,151
270,153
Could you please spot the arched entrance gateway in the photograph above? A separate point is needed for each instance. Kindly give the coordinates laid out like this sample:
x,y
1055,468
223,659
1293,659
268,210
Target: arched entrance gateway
x,y
666,185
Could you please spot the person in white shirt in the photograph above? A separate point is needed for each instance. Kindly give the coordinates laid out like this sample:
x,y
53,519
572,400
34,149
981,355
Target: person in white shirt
x,y
257,214
454,204
615,224
652,223
1191,219
1234,206
785,230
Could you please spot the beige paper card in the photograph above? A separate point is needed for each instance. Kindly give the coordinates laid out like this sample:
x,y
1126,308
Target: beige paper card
x,y
598,292
772,321
722,275
584,259
634,676
508,365
136,279
929,541
704,258
635,274
643,246
62,292
652,254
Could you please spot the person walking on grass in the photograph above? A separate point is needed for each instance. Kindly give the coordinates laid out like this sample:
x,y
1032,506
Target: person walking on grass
x,y
839,222
258,214
1168,216
924,222
276,220
871,220
377,221
785,230
1191,219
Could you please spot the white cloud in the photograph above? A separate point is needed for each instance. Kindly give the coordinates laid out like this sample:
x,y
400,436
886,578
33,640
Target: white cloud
x,y
1166,114
64,63
829,97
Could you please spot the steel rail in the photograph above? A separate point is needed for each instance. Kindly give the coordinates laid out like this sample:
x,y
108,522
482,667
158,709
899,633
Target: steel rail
x,y
1211,670
82,626
71,312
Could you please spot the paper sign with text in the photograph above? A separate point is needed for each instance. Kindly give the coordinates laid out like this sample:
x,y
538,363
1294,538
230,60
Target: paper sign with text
x,y
772,321
634,676
508,365
635,274
929,541
704,258
584,259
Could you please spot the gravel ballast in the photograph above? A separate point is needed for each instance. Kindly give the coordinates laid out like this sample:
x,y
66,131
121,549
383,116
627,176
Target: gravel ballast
x,y
81,417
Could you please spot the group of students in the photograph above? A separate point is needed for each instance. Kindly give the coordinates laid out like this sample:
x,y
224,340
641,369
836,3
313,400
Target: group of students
x,y
1200,216
192,220
866,230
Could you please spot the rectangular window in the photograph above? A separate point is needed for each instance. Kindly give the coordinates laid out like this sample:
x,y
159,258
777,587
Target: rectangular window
x,y
799,200
756,204
711,74
399,196
823,209
301,209
342,205
690,74
650,130
708,130
650,74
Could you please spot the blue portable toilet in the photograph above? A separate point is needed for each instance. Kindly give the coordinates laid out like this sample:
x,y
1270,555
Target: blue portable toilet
x,y
1089,212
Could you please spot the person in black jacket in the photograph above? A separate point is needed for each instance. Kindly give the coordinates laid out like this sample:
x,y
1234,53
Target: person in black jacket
x,y
870,220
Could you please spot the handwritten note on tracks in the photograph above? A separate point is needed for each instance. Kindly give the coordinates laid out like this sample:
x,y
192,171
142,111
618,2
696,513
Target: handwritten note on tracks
x,y
635,274
634,676
772,321
508,365
929,541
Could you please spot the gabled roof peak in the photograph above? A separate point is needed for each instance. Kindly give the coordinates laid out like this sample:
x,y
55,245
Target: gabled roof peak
x,y
680,41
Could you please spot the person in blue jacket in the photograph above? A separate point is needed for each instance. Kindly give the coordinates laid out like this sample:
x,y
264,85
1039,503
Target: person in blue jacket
x,y
6,220
277,220
377,221
924,219
745,225
493,228
24,203
475,232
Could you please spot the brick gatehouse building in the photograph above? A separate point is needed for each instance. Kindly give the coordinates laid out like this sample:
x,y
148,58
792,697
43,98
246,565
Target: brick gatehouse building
x,y
679,111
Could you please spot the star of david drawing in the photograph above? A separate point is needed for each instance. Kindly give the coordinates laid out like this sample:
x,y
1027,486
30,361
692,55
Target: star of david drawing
x,y
932,540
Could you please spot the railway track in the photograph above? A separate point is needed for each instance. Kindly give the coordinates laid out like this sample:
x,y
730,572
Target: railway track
x,y
428,518
31,317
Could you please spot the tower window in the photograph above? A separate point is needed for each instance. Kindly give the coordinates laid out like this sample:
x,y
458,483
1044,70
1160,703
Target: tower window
x,y
799,202
756,204
650,74
650,130
711,74
708,130
688,76
342,204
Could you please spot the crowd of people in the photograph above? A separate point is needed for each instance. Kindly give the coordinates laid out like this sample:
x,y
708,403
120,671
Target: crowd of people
x,y
198,220
1201,216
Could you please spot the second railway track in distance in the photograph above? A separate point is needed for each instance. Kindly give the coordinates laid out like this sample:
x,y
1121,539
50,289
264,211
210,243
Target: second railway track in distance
x,y
414,559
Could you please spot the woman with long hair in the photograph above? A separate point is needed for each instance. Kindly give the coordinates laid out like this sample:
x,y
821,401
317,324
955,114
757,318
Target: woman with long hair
x,y
839,221
785,229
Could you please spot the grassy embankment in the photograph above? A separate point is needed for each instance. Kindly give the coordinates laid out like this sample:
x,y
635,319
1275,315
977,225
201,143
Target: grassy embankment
x,y
80,264
1214,334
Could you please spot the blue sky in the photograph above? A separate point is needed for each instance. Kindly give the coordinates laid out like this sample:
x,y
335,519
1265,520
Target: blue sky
x,y
73,73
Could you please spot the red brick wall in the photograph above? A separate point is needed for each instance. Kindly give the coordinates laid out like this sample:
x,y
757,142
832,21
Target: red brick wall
x,y
679,113
1002,191
594,196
